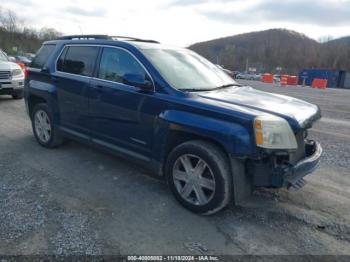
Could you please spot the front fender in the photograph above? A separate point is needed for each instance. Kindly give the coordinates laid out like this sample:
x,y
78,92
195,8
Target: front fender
x,y
235,138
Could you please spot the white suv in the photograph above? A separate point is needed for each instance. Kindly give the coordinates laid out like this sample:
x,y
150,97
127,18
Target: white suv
x,y
11,77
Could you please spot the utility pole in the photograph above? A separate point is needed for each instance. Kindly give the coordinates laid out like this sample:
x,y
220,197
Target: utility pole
x,y
81,30
217,60
247,65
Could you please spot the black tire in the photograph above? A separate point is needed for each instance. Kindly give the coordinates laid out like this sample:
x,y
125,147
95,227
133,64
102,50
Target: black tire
x,y
17,95
219,166
55,139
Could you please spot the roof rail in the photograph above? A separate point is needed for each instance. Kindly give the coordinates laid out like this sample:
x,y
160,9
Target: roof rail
x,y
105,37
134,39
83,37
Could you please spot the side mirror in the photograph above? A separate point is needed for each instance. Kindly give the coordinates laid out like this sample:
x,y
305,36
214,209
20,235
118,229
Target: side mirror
x,y
138,80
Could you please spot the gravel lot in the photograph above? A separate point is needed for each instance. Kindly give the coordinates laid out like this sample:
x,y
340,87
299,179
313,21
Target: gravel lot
x,y
78,200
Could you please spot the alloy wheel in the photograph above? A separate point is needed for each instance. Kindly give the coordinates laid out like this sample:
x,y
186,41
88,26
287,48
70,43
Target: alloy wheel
x,y
193,179
42,126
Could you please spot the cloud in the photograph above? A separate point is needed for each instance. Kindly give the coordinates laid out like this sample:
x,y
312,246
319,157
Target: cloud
x,y
95,12
197,2
184,22
321,13
24,2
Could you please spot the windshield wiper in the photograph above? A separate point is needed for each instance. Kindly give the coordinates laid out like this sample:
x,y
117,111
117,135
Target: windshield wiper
x,y
207,89
194,89
225,86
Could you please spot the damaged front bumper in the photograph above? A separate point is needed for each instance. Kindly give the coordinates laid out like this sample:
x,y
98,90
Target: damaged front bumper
x,y
294,175
274,172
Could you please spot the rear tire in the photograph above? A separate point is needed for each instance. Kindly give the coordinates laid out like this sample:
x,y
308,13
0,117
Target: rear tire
x,y
199,175
45,132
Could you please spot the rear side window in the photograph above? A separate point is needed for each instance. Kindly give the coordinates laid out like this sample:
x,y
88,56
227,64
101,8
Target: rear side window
x,y
42,56
78,60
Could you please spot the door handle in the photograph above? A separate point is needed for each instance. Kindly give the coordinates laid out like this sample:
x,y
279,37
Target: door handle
x,y
54,79
98,88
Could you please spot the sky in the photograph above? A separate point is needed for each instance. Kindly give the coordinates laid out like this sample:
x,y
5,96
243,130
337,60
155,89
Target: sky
x,y
184,22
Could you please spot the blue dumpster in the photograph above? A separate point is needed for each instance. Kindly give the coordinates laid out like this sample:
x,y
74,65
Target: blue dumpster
x,y
306,76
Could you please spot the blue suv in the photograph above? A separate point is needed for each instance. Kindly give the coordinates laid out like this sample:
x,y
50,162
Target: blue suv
x,y
174,112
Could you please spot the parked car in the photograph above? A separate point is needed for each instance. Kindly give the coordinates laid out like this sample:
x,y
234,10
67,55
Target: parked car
x,y
247,76
22,59
256,77
12,59
229,72
174,112
11,77
30,56
244,76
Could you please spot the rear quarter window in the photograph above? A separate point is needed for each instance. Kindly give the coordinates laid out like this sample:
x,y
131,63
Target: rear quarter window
x,y
42,56
78,60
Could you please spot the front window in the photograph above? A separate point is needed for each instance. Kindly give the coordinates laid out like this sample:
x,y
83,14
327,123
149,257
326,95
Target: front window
x,y
3,57
116,63
185,70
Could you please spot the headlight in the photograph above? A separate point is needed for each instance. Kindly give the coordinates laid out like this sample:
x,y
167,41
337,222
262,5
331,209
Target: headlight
x,y
17,72
274,133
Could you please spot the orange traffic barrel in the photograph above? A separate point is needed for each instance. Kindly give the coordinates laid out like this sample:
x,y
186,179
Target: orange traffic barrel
x,y
267,78
284,80
319,83
292,80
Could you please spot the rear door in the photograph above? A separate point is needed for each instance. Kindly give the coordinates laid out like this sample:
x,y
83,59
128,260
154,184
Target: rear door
x,y
74,69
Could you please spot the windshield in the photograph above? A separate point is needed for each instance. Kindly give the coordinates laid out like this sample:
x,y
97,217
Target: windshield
x,y
185,70
3,57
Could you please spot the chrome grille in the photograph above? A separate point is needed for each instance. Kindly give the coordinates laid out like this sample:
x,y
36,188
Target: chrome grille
x,y
5,74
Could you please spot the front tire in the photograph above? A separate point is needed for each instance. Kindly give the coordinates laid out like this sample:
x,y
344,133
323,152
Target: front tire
x,y
44,130
198,174
17,94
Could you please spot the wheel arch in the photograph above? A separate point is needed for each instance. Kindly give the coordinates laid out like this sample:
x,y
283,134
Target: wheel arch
x,y
177,137
33,100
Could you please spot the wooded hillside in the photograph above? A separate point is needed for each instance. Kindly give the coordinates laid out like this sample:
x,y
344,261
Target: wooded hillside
x,y
266,50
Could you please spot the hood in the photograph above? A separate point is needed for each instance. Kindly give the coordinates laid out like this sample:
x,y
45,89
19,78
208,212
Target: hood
x,y
297,112
8,66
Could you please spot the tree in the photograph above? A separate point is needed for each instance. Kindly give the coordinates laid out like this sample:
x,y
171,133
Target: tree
x,y
15,33
49,34
10,21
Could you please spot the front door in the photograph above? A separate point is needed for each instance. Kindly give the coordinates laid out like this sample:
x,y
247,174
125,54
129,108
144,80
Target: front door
x,y
116,108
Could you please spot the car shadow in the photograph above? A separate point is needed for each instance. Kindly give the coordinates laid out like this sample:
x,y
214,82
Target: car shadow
x,y
5,98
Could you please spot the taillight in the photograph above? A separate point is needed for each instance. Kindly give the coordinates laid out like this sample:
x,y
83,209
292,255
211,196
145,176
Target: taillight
x,y
23,67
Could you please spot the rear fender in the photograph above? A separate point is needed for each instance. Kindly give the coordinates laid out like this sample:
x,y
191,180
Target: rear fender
x,y
47,92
